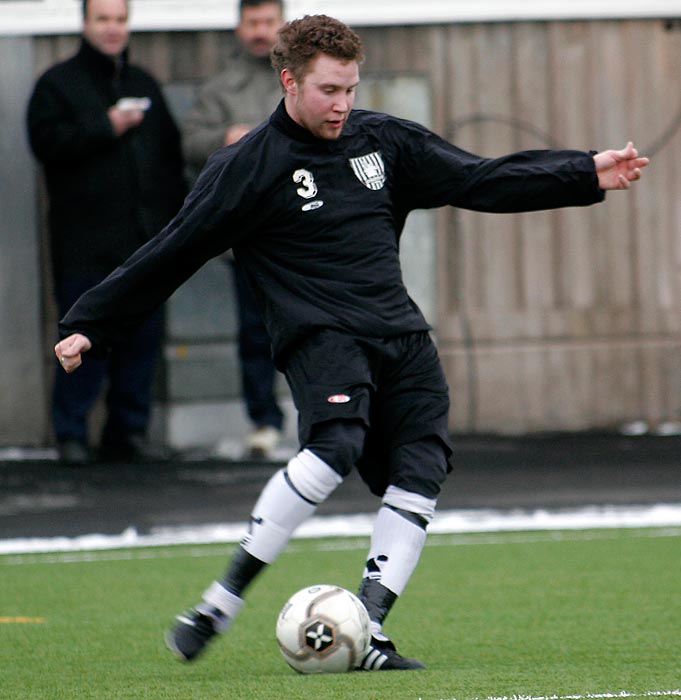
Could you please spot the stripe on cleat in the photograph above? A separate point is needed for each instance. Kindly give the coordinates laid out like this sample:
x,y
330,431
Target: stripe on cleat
x,y
374,660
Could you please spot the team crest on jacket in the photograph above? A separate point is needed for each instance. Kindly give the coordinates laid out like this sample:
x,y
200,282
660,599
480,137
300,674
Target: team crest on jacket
x,y
370,170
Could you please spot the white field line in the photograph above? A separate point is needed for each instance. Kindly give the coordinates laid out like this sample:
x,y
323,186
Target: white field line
x,y
454,522
587,696
337,544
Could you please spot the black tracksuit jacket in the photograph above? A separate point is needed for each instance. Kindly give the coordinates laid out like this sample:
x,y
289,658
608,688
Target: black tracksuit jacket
x,y
316,224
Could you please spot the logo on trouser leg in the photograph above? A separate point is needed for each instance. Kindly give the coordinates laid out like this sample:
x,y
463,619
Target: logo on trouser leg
x,y
338,398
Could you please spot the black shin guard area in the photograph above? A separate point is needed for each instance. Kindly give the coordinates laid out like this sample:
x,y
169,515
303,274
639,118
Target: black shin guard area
x,y
241,571
377,599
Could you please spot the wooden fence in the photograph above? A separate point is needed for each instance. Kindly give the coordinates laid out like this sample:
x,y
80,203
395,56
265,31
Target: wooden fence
x,y
562,320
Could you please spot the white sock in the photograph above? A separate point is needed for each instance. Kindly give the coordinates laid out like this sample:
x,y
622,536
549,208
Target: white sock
x,y
289,498
396,545
312,477
217,597
411,502
377,631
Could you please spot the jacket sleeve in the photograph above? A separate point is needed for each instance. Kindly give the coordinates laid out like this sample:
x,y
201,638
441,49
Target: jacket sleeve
x,y
58,132
438,173
212,219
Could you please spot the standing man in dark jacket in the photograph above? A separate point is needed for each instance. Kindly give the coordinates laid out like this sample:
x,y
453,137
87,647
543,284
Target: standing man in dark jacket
x,y
112,159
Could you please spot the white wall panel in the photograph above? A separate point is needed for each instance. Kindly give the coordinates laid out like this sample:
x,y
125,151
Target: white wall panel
x,y
31,17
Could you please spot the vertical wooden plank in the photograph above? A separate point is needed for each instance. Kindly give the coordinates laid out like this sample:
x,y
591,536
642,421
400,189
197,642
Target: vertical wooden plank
x,y
664,51
43,55
498,235
649,217
373,49
152,51
437,71
66,46
671,145
184,61
532,93
571,67
465,284
613,234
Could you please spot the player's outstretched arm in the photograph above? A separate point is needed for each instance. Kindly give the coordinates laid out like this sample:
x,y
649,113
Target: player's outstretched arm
x,y
616,170
68,351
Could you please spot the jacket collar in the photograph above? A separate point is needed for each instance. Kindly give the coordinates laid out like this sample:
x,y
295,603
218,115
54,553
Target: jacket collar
x,y
282,121
99,63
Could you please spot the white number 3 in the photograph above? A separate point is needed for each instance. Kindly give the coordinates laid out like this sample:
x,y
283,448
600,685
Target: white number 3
x,y
309,189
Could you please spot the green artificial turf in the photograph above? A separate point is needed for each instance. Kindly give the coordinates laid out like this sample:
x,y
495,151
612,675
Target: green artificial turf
x,y
538,615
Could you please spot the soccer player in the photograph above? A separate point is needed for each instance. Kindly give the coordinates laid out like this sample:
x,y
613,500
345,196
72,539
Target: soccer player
x,y
313,202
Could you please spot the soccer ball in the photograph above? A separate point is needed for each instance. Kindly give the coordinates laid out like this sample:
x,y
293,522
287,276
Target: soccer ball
x,y
323,629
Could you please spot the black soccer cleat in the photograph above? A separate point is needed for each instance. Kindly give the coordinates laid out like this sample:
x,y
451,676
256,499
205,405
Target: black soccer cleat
x,y
190,634
382,656
195,628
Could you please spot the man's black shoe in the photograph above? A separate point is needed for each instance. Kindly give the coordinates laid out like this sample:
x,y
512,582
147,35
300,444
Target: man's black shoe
x,y
74,453
382,656
134,449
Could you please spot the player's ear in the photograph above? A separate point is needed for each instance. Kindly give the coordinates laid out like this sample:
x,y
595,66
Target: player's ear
x,y
289,82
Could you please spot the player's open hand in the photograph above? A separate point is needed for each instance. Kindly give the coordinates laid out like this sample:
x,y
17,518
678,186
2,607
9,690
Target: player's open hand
x,y
616,170
68,351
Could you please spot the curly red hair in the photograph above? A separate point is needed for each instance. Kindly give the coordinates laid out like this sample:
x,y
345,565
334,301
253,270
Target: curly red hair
x,y
301,40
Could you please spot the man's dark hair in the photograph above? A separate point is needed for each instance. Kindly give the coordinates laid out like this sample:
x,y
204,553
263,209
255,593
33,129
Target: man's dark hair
x,y
127,2
304,39
257,3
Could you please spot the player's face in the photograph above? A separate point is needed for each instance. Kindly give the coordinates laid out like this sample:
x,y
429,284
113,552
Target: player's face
x,y
323,99
105,26
258,27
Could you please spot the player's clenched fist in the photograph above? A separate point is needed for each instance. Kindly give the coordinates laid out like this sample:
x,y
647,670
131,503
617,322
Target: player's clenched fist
x,y
68,351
